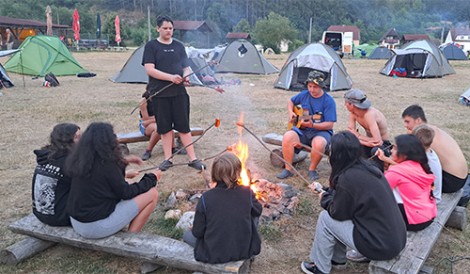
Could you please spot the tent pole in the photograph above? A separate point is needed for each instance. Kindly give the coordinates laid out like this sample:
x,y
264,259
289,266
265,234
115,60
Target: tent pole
x,y
22,70
148,23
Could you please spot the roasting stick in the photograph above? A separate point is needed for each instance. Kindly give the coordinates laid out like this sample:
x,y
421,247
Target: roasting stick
x,y
240,124
375,155
218,88
184,164
216,124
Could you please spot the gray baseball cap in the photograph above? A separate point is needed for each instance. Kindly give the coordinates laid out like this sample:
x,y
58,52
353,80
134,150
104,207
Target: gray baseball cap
x,y
357,98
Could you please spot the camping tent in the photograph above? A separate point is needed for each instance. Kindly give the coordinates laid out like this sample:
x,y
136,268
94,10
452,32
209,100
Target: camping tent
x,y
40,55
452,52
241,56
380,53
464,99
4,79
134,72
315,56
418,59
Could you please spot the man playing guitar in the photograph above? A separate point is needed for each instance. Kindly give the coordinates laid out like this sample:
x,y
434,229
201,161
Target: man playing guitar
x,y
316,131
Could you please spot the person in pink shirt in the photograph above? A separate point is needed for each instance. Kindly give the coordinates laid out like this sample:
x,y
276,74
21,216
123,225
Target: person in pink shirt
x,y
412,181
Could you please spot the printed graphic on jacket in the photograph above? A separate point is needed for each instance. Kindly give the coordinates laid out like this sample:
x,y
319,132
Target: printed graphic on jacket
x,y
44,188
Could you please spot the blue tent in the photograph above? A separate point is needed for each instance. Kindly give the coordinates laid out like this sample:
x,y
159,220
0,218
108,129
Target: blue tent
x,y
452,52
380,53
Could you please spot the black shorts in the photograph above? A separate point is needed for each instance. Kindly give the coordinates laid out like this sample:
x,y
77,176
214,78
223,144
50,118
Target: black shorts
x,y
451,183
172,113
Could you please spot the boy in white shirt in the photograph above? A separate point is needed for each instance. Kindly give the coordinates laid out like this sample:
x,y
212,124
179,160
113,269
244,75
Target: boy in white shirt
x,y
426,134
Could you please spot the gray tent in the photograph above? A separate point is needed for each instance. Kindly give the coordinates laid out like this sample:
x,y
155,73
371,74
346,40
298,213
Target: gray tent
x,y
319,57
465,98
452,52
241,56
418,59
380,53
134,72
5,81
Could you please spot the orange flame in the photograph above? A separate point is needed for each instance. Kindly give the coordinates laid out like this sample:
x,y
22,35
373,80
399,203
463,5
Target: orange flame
x,y
241,150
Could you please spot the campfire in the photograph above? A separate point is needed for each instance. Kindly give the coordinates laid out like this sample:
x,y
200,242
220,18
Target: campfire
x,y
277,199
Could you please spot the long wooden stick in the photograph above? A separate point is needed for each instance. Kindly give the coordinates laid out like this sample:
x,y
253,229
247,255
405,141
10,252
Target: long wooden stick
x,y
171,84
280,158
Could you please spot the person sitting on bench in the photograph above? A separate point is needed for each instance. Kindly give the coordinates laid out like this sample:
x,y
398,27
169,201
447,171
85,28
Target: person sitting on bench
x,y
315,133
101,202
412,181
425,135
50,185
360,211
225,225
148,127
454,165
371,120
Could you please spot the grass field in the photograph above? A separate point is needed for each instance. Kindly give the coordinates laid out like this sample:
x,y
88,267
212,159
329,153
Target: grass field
x,y
29,111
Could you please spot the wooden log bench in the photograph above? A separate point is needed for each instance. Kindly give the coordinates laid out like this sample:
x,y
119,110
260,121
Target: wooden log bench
x,y
137,136
276,139
419,244
149,248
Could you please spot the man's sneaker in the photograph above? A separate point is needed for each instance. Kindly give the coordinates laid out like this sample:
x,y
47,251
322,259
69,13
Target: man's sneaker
x,y
165,165
284,174
313,175
310,268
355,256
338,266
197,164
174,150
147,154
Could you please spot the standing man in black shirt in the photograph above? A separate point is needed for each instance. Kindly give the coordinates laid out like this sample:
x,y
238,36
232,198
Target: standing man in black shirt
x,y
166,62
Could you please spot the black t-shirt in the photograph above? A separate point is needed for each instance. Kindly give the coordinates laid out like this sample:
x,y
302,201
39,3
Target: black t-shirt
x,y
171,59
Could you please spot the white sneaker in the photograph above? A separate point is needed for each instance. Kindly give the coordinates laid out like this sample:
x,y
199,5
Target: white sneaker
x,y
355,256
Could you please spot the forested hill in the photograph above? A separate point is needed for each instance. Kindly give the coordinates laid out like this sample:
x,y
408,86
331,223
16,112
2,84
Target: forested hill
x,y
373,17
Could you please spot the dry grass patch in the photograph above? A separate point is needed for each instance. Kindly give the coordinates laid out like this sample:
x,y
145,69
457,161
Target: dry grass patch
x,y
28,113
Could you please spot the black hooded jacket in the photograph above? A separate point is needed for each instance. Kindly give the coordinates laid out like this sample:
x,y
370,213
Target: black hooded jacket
x,y
225,225
50,189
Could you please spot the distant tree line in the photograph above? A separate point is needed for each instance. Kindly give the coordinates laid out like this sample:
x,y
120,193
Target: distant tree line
x,y
266,20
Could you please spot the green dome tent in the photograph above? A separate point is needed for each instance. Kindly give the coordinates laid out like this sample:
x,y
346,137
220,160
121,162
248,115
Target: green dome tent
x,y
40,55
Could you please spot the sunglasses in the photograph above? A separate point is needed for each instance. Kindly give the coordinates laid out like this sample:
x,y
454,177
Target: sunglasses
x,y
357,100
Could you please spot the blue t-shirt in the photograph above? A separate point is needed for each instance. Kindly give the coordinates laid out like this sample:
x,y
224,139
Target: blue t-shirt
x,y
325,104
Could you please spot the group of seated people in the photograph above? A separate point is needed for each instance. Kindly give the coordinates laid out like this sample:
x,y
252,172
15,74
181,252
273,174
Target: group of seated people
x,y
377,191
80,181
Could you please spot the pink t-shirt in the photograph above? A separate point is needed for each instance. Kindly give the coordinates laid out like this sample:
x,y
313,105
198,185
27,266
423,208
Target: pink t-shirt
x,y
414,186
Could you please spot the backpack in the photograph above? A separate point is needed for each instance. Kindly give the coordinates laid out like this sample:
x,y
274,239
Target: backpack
x,y
50,77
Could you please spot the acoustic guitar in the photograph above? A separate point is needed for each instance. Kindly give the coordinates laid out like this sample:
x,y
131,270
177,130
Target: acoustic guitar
x,y
302,115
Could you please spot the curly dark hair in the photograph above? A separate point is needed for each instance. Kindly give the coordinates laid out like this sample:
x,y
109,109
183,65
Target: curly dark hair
x,y
98,143
61,139
345,152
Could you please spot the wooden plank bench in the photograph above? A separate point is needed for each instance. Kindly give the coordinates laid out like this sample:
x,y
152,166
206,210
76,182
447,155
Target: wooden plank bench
x,y
137,136
149,248
419,244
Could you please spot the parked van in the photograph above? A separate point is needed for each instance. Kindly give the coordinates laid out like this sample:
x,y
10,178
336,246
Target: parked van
x,y
339,41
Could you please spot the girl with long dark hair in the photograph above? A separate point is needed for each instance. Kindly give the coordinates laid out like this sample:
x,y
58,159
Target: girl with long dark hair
x,y
50,186
411,180
360,211
101,202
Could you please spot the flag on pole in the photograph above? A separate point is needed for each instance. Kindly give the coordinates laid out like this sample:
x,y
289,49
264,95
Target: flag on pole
x,y
76,25
98,26
118,30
